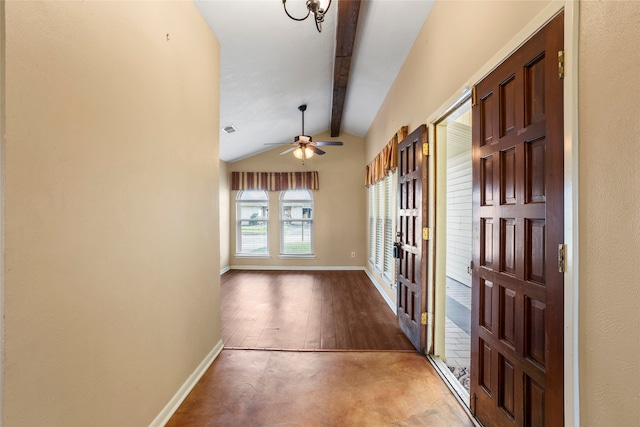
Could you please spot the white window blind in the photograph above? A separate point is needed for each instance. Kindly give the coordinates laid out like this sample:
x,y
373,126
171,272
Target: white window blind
x,y
382,210
372,224
380,200
389,210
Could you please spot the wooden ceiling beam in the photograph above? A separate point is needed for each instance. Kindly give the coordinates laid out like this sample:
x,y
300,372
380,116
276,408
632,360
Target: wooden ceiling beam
x,y
348,11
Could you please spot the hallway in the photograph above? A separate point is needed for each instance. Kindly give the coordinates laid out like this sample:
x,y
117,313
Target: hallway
x,y
375,380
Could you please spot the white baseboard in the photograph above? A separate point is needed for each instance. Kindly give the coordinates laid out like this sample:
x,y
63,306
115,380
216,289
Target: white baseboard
x,y
294,268
390,303
224,270
175,402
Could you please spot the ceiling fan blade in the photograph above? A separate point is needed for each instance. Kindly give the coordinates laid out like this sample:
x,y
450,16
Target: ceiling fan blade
x,y
278,143
315,149
288,150
328,143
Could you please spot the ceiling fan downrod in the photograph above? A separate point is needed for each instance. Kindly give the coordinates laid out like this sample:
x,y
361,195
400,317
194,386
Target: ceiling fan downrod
x,y
303,108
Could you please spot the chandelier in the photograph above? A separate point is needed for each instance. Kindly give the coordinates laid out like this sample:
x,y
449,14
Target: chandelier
x,y
313,6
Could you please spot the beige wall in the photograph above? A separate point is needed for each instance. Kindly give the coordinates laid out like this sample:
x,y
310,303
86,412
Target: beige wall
x,y
340,212
224,216
112,259
454,43
609,159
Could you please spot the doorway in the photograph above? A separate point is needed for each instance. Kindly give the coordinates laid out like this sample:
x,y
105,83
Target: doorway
x,y
452,334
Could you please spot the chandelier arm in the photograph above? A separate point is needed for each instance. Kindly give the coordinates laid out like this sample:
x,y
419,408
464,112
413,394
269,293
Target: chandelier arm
x,y
284,5
319,17
328,6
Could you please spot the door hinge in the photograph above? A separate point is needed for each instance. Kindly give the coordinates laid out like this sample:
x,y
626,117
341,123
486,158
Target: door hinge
x,y
474,96
562,258
424,319
561,64
425,234
425,149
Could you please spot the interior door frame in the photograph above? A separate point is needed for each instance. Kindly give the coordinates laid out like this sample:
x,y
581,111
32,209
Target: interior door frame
x,y
571,344
440,230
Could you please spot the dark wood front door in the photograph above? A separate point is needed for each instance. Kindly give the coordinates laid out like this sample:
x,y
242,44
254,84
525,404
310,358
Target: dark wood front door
x,y
412,218
517,310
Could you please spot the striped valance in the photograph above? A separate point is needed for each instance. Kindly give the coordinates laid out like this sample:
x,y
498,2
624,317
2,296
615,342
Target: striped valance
x,y
274,181
387,160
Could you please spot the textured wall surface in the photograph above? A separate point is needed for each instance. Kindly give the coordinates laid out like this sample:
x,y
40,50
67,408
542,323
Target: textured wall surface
x,y
112,259
609,283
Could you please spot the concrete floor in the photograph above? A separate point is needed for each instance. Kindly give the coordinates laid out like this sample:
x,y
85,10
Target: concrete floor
x,y
286,388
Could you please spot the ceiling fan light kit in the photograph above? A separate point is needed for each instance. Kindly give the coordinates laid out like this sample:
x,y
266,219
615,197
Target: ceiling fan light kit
x,y
303,154
303,146
313,6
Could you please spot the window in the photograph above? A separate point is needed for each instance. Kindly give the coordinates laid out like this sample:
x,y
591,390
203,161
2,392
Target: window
x,y
389,204
380,201
252,218
296,222
372,223
381,232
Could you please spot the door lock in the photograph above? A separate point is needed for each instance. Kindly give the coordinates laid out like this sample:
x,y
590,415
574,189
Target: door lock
x,y
397,245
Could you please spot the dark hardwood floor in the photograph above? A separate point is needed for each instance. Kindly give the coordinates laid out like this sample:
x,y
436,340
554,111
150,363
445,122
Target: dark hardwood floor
x,y
310,310
314,312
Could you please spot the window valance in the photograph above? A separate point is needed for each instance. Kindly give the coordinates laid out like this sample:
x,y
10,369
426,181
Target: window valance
x,y
274,181
387,160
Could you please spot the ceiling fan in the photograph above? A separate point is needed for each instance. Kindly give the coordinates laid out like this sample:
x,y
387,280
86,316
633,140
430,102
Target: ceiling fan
x,y
303,146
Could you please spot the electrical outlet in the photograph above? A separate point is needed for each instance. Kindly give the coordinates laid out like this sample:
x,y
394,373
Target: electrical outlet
x,y
353,254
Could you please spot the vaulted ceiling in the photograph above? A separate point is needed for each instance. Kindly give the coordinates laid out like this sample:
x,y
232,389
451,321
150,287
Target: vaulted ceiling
x,y
271,64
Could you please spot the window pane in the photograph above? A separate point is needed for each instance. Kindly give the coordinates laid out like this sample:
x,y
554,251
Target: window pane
x,y
296,222
253,195
297,195
296,237
253,237
300,210
251,211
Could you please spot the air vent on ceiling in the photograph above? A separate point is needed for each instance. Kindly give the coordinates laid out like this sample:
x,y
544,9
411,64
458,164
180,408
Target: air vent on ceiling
x,y
229,129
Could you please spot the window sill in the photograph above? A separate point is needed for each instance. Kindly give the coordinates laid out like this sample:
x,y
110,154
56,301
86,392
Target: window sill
x,y
263,256
292,256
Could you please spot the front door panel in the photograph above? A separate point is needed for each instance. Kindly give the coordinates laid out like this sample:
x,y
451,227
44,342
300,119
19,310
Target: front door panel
x,y
412,218
517,290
